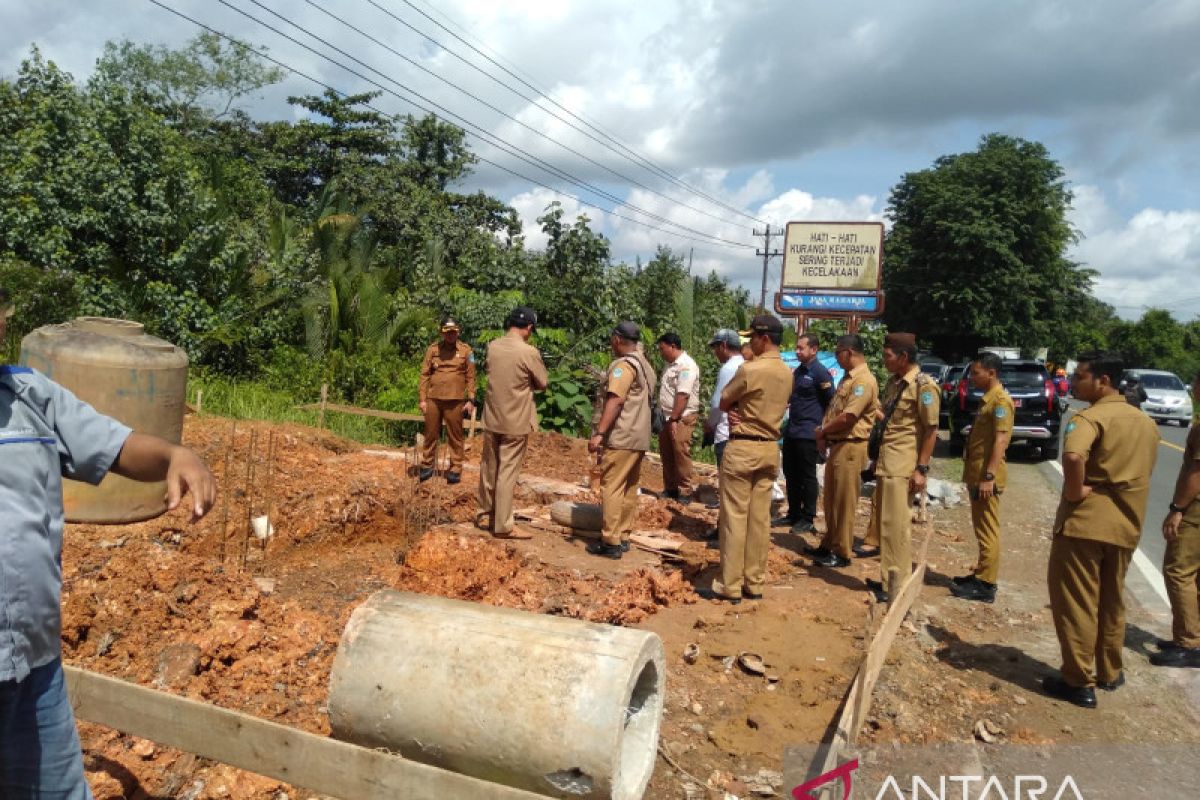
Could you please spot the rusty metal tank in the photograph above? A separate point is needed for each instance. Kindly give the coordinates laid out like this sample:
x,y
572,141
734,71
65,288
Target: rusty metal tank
x,y
121,371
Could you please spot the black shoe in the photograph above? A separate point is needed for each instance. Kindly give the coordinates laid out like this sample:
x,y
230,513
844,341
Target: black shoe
x,y
613,551
712,535
751,595
1082,696
709,594
669,494
817,552
831,561
862,551
780,522
876,588
425,474
964,578
713,506
803,527
684,500
624,547
1177,657
975,589
453,477
1114,685
1165,644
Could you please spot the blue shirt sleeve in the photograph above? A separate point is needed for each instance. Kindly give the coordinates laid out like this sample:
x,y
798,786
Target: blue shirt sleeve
x,y
88,441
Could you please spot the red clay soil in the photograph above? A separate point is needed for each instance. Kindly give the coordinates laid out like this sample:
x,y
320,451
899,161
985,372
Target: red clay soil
x,y
205,612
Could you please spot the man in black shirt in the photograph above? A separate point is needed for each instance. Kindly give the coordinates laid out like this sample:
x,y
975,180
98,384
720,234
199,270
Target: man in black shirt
x,y
812,389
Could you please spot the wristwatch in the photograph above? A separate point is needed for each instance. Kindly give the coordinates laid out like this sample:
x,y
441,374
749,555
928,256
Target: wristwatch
x,y
987,476
674,419
1176,509
923,469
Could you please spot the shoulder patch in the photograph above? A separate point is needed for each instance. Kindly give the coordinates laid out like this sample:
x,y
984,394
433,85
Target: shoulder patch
x,y
860,390
926,398
617,372
683,373
826,385
1071,426
471,357
1001,412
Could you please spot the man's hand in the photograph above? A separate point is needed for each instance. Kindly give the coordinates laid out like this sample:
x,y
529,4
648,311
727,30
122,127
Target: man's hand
x,y
423,406
468,410
986,489
186,472
1084,491
596,443
916,482
1171,525
735,417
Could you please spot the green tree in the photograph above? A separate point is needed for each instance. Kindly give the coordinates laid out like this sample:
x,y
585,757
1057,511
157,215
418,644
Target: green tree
x,y
977,251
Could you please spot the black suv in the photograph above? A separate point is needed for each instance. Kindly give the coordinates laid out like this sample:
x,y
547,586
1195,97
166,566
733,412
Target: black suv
x,y
1038,409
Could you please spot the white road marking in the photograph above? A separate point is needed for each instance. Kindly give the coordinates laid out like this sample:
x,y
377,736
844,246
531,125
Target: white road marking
x,y
1141,561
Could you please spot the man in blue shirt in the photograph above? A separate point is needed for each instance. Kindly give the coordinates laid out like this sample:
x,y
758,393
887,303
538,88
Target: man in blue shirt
x,y
46,434
812,389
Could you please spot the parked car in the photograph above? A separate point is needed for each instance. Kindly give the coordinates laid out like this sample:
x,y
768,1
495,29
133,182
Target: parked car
x,y
949,382
1167,398
1038,410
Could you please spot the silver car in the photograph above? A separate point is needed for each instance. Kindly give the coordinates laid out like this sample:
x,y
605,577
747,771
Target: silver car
x,y
1167,398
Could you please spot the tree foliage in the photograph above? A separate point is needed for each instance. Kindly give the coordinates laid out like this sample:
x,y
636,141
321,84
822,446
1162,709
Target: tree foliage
x,y
977,251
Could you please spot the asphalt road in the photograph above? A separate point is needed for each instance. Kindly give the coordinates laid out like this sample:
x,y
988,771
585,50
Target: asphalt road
x,y
1162,487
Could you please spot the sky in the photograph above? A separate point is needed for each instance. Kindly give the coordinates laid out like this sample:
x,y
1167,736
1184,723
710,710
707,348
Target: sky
x,y
712,118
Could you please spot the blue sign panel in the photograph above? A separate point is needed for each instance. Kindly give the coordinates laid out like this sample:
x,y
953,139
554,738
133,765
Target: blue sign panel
x,y
827,359
860,303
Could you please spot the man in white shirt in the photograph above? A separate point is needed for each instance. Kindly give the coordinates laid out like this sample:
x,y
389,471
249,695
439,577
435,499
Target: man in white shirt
x,y
726,347
679,400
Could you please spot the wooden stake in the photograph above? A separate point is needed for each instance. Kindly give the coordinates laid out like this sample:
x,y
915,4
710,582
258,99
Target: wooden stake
x,y
226,483
199,402
324,400
270,491
249,499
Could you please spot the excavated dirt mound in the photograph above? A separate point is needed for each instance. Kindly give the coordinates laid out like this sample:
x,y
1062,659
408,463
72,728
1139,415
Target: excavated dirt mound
x,y
214,613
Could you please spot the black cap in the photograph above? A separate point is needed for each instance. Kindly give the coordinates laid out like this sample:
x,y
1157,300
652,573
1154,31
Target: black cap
x,y
766,323
628,330
520,317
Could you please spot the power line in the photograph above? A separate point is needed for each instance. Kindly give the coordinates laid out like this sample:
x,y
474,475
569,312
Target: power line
x,y
487,137
469,94
624,150
319,82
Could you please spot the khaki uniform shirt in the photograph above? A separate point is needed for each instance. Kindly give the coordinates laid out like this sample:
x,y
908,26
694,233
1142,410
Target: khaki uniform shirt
x,y
515,372
1191,454
681,375
995,416
762,388
629,377
917,403
1119,445
448,372
857,394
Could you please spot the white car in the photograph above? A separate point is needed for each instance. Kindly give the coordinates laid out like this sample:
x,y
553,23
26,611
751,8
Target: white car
x,y
1167,398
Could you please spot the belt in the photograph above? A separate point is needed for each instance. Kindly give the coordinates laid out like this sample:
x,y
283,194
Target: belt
x,y
847,439
747,437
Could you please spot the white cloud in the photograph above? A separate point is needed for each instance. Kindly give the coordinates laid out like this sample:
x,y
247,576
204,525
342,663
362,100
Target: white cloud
x,y
532,204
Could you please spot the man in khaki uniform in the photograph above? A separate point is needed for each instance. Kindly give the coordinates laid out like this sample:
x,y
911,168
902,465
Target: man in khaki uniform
x,y
1181,564
515,372
755,400
910,408
679,399
621,433
844,433
985,472
446,391
1108,457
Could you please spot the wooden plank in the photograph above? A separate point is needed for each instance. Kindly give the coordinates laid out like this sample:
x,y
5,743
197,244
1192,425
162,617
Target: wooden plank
x,y
362,412
317,763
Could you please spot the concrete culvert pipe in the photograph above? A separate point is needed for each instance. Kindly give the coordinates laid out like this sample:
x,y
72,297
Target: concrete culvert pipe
x,y
555,706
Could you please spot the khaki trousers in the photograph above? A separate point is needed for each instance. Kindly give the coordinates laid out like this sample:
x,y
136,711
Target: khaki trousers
x,y
451,413
843,480
620,472
985,518
1181,571
676,452
871,538
748,471
894,512
1087,583
498,470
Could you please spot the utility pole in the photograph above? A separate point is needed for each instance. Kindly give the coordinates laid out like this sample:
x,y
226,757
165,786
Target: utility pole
x,y
767,254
